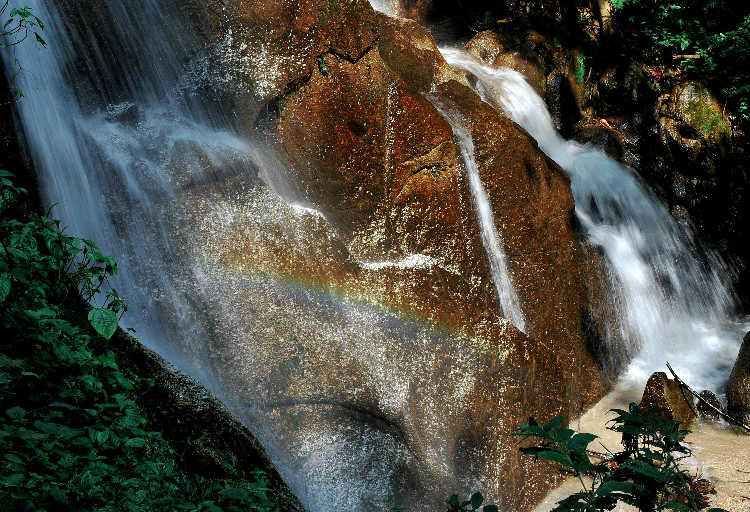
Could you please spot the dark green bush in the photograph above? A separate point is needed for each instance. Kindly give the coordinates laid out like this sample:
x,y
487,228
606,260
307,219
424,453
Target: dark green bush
x,y
717,30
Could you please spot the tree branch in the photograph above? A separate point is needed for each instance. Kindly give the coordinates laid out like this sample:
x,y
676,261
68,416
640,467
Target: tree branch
x,y
727,417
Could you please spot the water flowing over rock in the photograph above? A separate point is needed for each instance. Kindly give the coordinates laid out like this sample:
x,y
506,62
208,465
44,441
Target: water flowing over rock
x,y
671,293
291,189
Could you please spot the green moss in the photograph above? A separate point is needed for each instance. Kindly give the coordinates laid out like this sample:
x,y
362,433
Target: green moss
x,y
701,111
707,119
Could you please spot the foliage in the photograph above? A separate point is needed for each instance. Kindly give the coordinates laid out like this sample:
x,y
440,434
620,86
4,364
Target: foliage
x,y
646,474
473,503
19,25
72,435
21,22
717,30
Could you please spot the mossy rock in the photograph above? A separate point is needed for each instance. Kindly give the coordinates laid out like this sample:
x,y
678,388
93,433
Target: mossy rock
x,y
696,107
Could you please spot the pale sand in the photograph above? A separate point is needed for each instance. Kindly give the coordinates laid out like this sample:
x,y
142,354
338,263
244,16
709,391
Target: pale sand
x,y
722,454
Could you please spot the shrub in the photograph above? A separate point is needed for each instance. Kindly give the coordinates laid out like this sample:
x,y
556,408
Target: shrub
x,y
717,30
645,474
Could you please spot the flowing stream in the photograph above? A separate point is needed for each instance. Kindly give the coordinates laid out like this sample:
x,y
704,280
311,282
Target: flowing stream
x,y
674,297
351,400
491,237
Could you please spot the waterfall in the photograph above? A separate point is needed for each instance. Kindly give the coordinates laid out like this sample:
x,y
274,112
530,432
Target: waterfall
x,y
102,136
157,179
674,297
356,396
491,238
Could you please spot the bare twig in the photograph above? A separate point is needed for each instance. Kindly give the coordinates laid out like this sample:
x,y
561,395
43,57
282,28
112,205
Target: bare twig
x,y
608,450
727,417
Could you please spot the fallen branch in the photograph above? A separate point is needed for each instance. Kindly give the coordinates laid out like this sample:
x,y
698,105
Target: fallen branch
x,y
718,411
693,56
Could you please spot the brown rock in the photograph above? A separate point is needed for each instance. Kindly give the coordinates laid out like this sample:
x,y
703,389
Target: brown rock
x,y
704,411
666,393
693,127
738,387
362,340
495,51
380,162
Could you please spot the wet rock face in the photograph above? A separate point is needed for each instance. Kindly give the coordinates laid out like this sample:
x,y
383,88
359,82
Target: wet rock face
x,y
738,387
701,164
519,54
692,126
365,145
663,392
361,340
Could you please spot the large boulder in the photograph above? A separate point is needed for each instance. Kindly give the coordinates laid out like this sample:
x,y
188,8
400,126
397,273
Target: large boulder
x,y
358,118
365,144
355,326
693,127
738,387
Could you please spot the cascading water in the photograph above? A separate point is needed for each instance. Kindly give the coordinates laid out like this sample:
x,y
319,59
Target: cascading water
x,y
163,185
355,400
674,298
491,238
96,165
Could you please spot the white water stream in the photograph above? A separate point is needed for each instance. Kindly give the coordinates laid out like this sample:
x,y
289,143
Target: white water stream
x,y
491,237
674,298
111,171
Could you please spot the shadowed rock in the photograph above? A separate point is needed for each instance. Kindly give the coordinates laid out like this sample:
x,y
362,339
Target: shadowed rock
x,y
738,387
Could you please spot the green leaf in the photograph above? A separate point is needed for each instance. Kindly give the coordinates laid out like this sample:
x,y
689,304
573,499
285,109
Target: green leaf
x,y
13,458
490,508
103,321
13,479
643,468
673,505
136,442
580,441
101,437
563,434
550,455
533,431
614,486
554,423
16,413
4,287
64,406
476,500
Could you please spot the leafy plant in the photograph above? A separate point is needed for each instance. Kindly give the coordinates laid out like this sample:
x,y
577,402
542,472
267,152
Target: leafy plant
x,y
72,434
20,24
645,474
716,31
473,503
